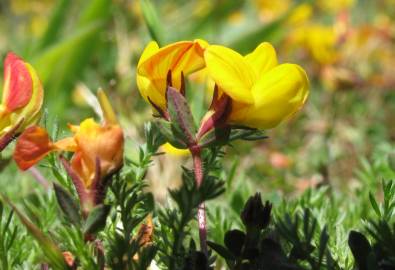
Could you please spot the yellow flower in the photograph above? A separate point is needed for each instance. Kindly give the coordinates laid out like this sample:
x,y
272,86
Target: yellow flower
x,y
270,10
91,142
319,40
335,6
262,92
22,98
155,63
300,14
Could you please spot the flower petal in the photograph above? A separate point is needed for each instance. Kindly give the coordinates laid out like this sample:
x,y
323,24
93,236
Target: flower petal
x,y
155,63
231,72
105,105
33,145
31,111
185,56
278,94
96,141
18,83
262,59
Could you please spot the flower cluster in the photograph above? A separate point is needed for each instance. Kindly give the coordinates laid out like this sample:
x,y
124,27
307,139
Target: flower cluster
x,y
251,91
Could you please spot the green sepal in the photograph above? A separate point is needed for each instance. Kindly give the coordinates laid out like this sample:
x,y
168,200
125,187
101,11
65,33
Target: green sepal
x,y
165,128
67,204
181,119
221,250
215,137
96,219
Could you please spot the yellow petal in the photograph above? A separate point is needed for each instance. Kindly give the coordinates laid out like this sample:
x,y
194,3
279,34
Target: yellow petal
x,y
231,72
170,149
155,63
186,56
149,50
262,59
108,112
67,144
150,92
96,141
278,94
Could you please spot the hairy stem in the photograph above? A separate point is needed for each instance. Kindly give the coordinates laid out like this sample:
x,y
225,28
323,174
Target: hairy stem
x,y
201,215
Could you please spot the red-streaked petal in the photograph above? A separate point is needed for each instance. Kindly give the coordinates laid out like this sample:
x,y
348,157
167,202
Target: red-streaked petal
x,y
18,83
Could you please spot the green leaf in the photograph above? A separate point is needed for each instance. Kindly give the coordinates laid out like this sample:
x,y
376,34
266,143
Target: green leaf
x,y
374,204
221,250
324,238
67,204
360,249
96,220
48,61
49,248
152,21
55,24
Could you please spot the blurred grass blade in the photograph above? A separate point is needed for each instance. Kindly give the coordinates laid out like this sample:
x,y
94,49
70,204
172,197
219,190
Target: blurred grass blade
x,y
50,59
63,63
374,204
152,21
55,24
51,251
95,10
218,14
272,32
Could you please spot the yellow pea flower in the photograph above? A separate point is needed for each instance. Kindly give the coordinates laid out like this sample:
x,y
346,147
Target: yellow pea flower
x,y
335,6
319,40
155,63
91,142
262,92
22,98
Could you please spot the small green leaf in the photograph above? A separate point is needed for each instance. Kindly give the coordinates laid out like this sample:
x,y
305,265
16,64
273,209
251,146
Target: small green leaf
x,y
49,248
152,21
360,249
324,238
221,250
97,219
374,204
67,204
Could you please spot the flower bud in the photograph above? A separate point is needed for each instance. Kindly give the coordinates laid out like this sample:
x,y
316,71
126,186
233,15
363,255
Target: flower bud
x,y
255,214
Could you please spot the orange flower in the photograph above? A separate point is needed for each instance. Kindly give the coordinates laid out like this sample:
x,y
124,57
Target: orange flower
x,y
22,98
93,144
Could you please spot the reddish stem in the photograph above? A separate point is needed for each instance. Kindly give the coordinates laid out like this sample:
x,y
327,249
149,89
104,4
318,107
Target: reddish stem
x,y
201,215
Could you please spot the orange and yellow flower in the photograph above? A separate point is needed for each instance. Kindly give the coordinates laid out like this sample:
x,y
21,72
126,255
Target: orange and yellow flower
x,y
92,144
184,57
22,98
262,92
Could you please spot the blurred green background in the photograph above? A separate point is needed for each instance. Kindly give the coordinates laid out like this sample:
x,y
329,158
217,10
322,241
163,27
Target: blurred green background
x,y
346,46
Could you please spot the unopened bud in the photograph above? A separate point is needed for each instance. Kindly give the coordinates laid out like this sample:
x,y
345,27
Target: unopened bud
x,y
255,214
